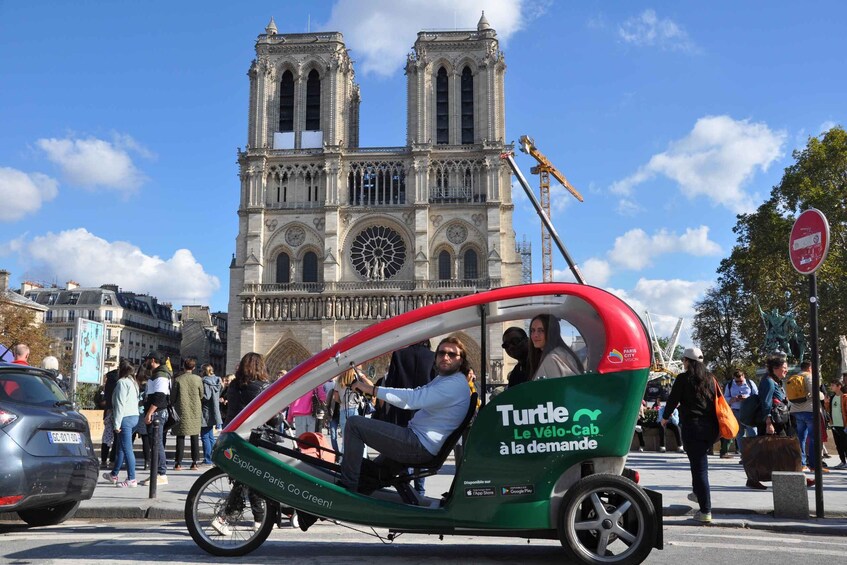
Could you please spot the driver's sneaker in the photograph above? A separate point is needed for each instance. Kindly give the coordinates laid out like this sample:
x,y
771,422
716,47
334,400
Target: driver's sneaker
x,y
219,525
704,517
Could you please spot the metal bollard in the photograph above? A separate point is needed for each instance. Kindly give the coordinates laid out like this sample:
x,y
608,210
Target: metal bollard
x,y
154,457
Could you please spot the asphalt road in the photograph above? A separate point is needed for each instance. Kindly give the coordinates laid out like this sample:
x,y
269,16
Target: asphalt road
x,y
149,541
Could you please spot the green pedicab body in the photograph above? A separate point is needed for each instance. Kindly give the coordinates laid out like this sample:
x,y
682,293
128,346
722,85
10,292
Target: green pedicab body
x,y
526,445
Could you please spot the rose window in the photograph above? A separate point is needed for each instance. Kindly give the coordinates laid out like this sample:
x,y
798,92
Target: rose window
x,y
378,253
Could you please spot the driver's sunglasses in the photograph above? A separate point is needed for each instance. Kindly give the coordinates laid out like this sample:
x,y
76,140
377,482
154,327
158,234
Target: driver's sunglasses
x,y
514,342
448,354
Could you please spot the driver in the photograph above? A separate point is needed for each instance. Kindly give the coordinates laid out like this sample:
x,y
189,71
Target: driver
x,y
441,407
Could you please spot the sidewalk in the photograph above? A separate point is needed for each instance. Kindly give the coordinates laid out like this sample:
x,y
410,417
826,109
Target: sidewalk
x,y
734,505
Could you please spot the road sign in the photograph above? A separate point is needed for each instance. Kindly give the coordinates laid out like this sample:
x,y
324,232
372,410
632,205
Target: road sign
x,y
809,241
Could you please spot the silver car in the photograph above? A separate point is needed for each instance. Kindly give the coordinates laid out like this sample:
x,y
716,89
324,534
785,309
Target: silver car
x,y
47,460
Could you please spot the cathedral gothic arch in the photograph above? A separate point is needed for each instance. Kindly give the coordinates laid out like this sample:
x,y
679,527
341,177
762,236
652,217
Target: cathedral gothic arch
x,y
286,354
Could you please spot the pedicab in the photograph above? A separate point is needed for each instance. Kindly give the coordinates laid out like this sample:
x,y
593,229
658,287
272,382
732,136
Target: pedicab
x,y
541,460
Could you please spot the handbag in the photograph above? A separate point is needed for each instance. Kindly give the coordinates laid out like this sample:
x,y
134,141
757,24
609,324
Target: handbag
x,y
173,417
318,407
762,455
727,423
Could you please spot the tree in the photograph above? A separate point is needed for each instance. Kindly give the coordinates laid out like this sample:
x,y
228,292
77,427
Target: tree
x,y
717,328
18,325
758,265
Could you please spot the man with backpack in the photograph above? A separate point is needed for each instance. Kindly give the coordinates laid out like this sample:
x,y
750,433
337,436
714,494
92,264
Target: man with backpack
x,y
798,390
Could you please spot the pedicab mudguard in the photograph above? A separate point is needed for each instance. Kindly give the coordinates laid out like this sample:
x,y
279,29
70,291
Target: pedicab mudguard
x,y
656,499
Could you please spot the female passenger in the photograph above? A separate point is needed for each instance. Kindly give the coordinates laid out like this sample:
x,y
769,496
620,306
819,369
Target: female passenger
x,y
549,356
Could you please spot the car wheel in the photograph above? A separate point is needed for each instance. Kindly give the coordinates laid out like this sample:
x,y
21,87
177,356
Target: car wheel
x,y
607,519
50,515
219,514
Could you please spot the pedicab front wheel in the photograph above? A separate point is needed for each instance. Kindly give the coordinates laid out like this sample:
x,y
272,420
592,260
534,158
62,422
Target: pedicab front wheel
x,y
607,519
221,515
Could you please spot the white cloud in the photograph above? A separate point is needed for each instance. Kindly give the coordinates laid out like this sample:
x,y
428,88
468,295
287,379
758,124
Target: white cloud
x,y
82,256
647,29
382,32
666,300
24,193
596,272
717,159
92,163
636,250
628,207
826,126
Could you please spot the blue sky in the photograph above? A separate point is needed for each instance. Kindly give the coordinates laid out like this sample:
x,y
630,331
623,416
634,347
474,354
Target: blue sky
x,y
120,123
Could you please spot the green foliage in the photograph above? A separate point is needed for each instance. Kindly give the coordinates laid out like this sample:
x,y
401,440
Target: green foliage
x,y
727,324
18,325
85,393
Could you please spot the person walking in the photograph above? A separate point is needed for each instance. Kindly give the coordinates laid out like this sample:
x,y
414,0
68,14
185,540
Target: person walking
x,y
303,410
251,378
188,400
125,410
694,392
210,415
838,418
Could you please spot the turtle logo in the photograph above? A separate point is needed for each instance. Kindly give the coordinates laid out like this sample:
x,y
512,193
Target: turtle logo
x,y
228,453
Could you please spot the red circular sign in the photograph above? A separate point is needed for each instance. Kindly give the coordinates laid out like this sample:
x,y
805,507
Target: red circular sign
x,y
809,241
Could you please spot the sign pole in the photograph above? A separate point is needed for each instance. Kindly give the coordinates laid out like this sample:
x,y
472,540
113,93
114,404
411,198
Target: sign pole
x,y
816,397
808,246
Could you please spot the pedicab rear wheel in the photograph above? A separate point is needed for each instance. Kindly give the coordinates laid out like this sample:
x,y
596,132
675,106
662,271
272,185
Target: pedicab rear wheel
x,y
210,497
607,519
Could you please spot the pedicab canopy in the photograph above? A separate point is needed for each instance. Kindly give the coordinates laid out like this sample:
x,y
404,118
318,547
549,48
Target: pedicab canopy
x,y
615,337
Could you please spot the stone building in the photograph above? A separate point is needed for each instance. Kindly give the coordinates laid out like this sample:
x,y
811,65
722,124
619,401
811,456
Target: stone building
x,y
204,337
334,237
135,324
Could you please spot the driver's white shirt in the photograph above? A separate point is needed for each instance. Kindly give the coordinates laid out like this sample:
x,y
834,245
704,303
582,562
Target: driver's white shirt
x,y
441,406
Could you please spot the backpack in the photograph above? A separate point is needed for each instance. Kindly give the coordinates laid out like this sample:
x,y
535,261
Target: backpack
x,y
795,389
750,413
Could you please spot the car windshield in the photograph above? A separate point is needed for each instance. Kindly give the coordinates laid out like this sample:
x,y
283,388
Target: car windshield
x,y
28,388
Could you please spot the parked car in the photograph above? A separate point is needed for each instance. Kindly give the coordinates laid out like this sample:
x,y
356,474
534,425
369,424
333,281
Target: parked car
x,y
47,461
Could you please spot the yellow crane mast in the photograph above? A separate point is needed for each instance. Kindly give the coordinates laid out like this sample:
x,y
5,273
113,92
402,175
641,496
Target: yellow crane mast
x,y
544,169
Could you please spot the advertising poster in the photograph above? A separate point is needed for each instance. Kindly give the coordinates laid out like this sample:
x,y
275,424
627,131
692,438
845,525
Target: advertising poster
x,y
89,347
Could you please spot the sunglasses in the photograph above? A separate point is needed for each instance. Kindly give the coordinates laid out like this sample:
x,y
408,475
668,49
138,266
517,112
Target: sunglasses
x,y
448,354
514,342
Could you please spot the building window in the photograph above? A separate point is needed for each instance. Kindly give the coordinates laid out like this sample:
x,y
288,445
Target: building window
x,y
108,315
91,315
71,315
283,268
310,267
69,334
442,117
286,102
73,298
467,106
282,188
313,101
444,266
471,265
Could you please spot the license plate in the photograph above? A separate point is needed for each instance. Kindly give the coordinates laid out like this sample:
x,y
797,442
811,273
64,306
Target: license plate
x,y
65,437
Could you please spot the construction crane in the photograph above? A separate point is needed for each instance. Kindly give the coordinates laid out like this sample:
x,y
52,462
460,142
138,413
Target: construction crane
x,y
509,157
544,169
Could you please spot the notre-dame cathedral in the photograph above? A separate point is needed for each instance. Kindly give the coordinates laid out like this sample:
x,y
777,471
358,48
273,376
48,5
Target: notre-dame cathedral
x,y
334,237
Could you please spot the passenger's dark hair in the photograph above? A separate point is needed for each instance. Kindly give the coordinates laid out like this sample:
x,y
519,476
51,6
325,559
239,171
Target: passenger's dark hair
x,y
465,366
251,368
125,369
